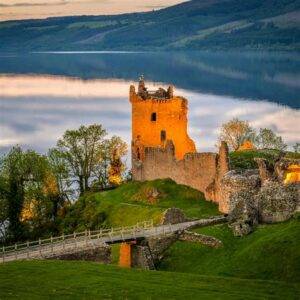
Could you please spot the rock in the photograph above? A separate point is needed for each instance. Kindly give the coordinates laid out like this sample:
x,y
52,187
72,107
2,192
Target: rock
x,y
266,170
236,181
243,216
173,216
158,245
210,241
277,202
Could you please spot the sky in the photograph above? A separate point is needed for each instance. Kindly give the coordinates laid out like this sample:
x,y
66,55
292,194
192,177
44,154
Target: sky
x,y
36,9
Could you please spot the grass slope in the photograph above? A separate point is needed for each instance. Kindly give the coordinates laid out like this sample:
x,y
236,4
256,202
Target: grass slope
x,y
133,202
83,280
196,24
272,252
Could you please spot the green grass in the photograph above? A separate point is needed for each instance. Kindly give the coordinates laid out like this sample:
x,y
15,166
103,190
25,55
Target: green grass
x,y
272,252
245,159
130,203
86,280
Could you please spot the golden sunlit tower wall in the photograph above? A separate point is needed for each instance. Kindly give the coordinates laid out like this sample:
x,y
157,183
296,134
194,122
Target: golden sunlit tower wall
x,y
158,116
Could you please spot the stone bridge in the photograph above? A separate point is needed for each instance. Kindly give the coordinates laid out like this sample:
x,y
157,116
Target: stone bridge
x,y
94,245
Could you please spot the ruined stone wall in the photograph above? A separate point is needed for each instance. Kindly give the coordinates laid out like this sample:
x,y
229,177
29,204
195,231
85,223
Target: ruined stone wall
x,y
202,171
99,254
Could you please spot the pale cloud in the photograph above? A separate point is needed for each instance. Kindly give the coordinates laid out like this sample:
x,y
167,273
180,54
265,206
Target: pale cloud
x,y
22,9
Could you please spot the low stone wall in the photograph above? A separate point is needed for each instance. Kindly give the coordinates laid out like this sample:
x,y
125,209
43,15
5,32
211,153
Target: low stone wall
x,y
142,257
158,245
99,254
189,236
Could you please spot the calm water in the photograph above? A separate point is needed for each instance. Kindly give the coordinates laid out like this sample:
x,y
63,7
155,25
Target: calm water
x,y
43,94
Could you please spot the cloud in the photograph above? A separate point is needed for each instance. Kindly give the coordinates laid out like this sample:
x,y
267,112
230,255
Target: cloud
x,y
26,4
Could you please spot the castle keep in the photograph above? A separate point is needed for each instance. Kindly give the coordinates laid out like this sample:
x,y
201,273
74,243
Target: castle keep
x,y
158,116
161,147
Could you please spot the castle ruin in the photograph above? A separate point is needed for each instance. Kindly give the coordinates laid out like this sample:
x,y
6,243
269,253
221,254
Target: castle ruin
x,y
161,147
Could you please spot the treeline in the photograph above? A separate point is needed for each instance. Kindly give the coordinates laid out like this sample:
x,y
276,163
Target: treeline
x,y
36,189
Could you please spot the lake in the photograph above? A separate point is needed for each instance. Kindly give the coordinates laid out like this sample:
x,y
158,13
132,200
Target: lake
x,y
43,94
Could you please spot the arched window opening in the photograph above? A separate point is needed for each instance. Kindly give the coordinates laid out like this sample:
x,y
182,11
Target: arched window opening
x,y
153,117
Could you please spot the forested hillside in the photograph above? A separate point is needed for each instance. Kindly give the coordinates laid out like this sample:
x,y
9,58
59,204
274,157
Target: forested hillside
x,y
196,24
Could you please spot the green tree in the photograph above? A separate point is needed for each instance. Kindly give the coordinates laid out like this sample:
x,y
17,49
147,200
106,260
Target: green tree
x,y
22,173
3,207
82,150
60,171
236,132
267,139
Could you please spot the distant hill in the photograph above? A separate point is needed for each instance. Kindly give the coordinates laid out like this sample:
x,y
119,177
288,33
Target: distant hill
x,y
196,24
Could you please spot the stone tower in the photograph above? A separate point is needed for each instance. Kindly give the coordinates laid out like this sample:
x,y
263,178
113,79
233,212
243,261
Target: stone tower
x,y
157,117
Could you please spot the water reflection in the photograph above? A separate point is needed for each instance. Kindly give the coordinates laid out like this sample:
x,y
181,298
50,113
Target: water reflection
x,y
36,110
257,76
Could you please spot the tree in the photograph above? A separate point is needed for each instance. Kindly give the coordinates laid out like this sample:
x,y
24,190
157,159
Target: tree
x,y
60,184
236,132
3,208
117,149
22,173
111,166
267,139
81,150
296,148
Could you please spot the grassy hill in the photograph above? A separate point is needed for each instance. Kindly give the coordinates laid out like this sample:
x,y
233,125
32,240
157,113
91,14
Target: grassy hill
x,y
83,280
196,24
134,202
272,252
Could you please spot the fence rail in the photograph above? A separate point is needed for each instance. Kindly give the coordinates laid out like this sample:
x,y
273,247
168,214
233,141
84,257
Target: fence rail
x,y
77,238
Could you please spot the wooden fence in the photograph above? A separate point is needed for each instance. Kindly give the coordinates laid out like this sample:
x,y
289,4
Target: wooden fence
x,y
54,245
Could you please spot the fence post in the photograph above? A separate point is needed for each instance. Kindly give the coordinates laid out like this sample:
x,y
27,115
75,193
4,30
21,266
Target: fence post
x,y
51,239
40,251
27,250
16,254
74,234
64,245
3,253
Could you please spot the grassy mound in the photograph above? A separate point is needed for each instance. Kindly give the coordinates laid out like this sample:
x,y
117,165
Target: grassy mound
x,y
245,159
272,252
134,202
85,280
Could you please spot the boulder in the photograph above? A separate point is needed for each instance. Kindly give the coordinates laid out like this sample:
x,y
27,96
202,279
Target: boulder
x,y
173,216
277,202
243,216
